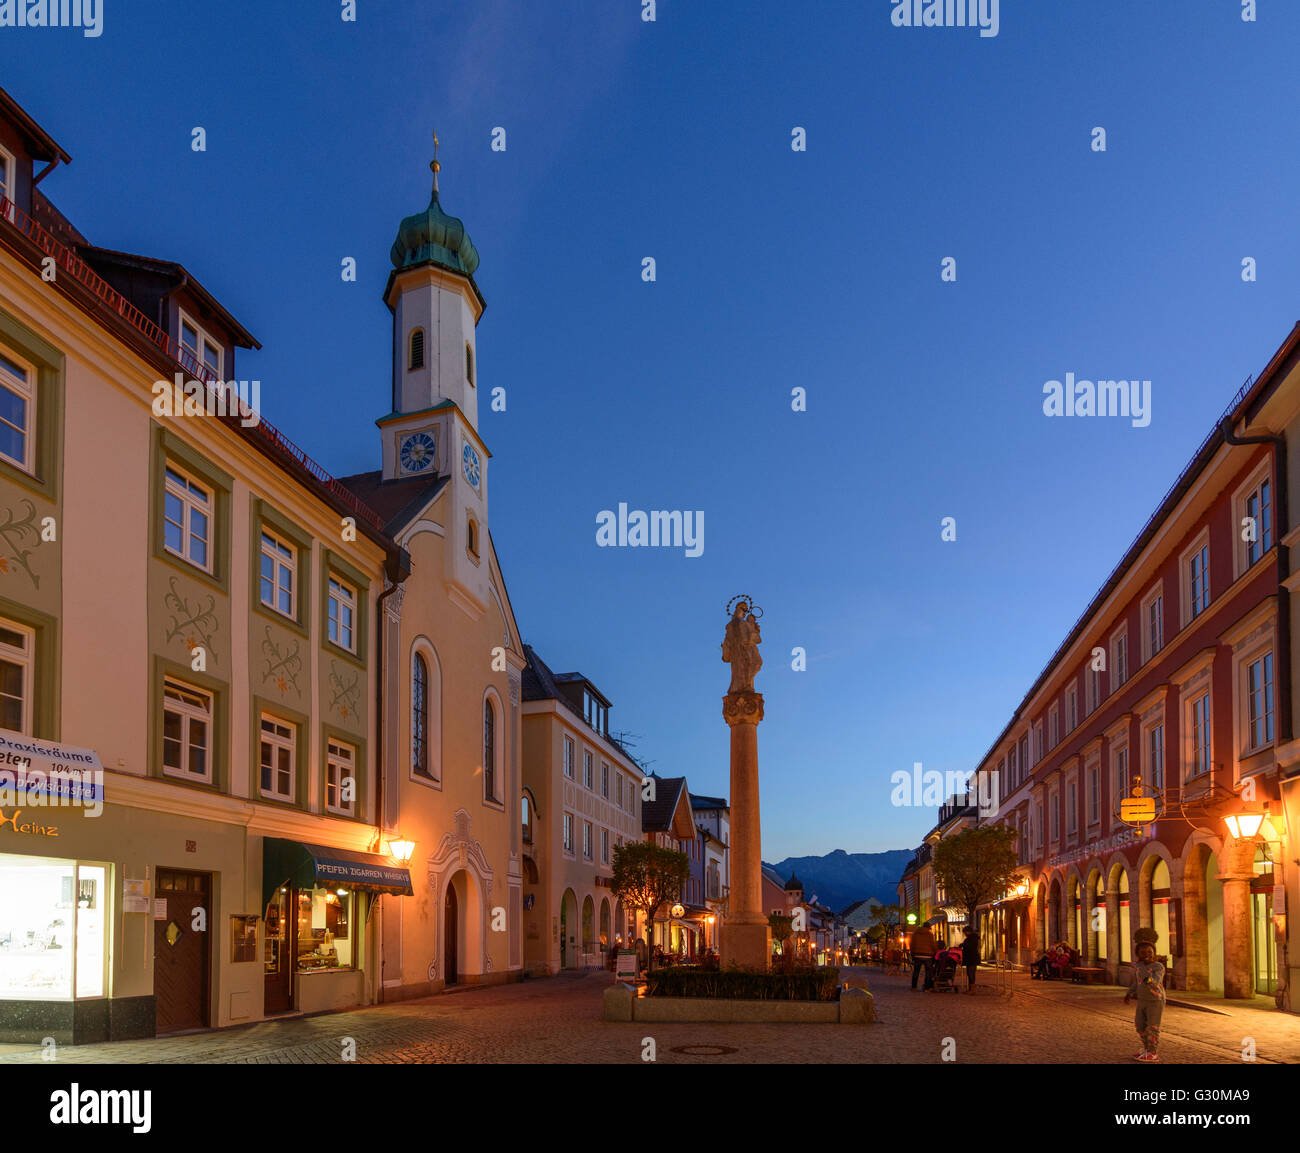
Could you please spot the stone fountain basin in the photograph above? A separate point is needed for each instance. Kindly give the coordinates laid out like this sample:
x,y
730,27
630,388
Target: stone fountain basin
x,y
622,1003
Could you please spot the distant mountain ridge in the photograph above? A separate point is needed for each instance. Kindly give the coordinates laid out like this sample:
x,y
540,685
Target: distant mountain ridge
x,y
839,878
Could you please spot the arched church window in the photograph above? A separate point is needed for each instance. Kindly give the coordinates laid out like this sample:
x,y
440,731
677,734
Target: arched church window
x,y
489,752
420,716
469,364
417,349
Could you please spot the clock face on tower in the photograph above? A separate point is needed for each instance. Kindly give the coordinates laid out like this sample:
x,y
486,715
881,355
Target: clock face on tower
x,y
417,452
469,463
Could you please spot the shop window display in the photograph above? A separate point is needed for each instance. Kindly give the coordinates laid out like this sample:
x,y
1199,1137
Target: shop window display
x,y
325,936
52,925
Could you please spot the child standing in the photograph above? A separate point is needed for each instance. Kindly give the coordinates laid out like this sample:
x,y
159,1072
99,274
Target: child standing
x,y
1148,987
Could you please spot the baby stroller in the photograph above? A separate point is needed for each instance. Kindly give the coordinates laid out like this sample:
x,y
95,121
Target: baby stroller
x,y
945,973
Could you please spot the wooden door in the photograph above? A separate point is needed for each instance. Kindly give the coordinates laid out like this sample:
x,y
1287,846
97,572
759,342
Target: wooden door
x,y
449,936
180,951
280,950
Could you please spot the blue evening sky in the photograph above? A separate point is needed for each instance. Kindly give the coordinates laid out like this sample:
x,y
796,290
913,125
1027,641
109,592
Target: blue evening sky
x,y
776,269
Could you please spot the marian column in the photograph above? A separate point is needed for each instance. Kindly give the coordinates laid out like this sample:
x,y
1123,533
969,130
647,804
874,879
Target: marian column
x,y
746,938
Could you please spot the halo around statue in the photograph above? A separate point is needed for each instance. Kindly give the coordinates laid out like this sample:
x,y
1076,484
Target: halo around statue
x,y
753,608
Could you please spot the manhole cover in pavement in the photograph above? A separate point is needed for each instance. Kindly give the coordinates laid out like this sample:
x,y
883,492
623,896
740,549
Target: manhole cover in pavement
x,y
704,1050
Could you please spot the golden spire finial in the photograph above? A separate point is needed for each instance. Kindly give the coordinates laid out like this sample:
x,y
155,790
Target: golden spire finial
x,y
434,166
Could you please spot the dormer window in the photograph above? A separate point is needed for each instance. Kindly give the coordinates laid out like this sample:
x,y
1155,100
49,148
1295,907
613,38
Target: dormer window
x,y
469,364
416,358
204,352
596,714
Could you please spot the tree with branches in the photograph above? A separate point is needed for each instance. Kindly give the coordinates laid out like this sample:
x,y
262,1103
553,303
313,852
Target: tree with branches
x,y
647,877
976,866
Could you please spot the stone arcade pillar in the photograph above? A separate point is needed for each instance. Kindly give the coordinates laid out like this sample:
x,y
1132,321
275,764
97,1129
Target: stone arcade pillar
x,y
746,935
1236,868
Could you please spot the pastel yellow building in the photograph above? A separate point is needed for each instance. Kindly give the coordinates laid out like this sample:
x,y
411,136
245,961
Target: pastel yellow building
x,y
188,603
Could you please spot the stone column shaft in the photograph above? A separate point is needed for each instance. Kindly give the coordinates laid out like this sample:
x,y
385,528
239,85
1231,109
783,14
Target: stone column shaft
x,y
746,936
1237,866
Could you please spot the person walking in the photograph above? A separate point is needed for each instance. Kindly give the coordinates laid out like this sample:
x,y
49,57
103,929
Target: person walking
x,y
970,956
1148,987
922,948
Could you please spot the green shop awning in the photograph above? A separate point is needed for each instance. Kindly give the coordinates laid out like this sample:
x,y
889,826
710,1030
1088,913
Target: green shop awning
x,y
305,866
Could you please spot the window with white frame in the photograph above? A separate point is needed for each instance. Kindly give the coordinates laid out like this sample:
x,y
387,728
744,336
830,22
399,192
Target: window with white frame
x,y
1054,807
1053,726
618,787
204,349
1119,657
8,175
568,833
1153,623
278,746
9,183
604,779
568,757
17,410
1006,778
586,768
1038,826
1094,794
1196,578
1198,721
1154,773
340,778
1071,806
1119,775
1255,519
17,646
1092,690
1259,702
1071,707
342,615
279,574
1022,760
187,518
187,732
586,839
1038,742
604,846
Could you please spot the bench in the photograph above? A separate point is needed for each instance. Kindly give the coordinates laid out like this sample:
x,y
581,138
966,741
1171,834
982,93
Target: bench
x,y
1086,975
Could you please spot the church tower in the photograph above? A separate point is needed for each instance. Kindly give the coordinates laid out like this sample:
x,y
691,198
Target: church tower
x,y
432,430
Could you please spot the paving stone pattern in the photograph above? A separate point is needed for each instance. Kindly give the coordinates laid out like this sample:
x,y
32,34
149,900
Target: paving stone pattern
x,y
557,1021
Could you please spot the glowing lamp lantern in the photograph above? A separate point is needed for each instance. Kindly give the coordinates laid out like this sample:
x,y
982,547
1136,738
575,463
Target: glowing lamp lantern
x,y
401,850
1244,825
677,911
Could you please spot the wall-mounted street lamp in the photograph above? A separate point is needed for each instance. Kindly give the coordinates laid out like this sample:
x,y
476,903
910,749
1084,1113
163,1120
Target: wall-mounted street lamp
x,y
1244,825
401,850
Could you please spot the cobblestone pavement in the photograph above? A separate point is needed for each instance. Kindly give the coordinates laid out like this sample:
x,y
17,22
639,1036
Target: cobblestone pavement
x,y
557,1021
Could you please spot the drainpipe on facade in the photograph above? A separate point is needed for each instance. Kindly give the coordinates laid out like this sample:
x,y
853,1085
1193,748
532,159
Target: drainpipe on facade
x,y
397,569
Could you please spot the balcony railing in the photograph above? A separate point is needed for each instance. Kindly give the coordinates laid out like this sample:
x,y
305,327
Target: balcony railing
x,y
112,300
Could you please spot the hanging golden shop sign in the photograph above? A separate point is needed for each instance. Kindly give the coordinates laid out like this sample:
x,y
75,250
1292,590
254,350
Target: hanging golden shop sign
x,y
1139,807
1137,810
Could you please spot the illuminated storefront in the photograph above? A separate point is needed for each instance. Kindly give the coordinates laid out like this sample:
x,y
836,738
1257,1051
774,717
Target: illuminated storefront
x,y
53,925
